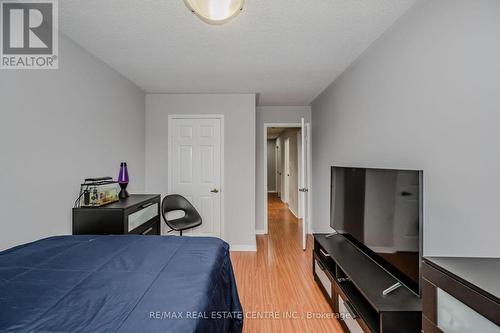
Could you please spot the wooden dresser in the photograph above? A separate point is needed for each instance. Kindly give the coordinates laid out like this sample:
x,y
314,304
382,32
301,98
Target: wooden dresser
x,y
138,214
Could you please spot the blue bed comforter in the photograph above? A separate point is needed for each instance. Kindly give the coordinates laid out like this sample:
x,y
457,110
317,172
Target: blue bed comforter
x,y
119,284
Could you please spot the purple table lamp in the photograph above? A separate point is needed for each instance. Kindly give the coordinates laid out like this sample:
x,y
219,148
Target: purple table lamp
x,y
123,180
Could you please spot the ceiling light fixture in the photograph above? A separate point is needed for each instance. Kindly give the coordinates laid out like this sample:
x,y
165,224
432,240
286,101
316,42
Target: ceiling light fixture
x,y
215,11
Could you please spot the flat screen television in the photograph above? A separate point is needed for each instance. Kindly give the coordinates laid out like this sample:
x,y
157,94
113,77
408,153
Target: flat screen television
x,y
380,211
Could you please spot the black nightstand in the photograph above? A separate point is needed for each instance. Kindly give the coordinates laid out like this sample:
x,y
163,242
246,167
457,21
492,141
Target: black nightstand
x,y
138,214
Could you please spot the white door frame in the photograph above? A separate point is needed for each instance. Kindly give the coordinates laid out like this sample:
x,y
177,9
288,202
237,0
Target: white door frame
x,y
299,172
264,202
170,153
309,178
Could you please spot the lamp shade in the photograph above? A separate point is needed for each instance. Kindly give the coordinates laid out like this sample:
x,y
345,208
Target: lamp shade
x,y
215,11
123,174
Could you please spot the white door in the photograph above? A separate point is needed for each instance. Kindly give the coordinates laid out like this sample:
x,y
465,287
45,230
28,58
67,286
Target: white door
x,y
195,169
304,189
279,167
286,173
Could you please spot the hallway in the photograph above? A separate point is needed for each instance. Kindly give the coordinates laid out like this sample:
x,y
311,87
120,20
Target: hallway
x,y
276,286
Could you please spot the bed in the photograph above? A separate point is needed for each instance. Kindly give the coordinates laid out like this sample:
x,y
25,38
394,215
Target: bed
x,y
119,284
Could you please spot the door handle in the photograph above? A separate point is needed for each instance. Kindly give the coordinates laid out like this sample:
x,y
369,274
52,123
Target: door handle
x,y
215,190
147,204
147,231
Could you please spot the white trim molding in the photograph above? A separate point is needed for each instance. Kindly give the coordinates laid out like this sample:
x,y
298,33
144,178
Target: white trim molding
x,y
260,232
243,248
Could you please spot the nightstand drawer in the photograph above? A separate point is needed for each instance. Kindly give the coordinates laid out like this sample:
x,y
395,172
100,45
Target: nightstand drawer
x,y
455,316
149,228
142,216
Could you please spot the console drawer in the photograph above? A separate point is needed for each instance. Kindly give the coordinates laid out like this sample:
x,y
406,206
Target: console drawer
x,y
324,280
348,317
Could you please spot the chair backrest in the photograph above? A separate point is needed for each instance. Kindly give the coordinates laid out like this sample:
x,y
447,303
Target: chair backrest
x,y
177,202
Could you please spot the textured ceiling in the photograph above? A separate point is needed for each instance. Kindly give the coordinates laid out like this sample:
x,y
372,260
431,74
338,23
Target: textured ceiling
x,y
286,51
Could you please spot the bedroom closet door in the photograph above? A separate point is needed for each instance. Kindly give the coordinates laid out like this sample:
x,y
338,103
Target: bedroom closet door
x,y
195,169
286,173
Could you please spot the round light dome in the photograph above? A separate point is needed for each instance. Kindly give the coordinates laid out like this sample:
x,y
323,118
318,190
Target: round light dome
x,y
215,11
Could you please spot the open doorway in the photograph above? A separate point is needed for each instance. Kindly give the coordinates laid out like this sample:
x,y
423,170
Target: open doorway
x,y
285,180
283,165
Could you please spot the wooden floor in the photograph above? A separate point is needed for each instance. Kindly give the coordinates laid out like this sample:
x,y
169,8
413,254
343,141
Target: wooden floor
x,y
276,282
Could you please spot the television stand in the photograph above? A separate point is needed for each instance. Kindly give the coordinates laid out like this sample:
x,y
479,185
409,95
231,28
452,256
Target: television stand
x,y
331,235
364,296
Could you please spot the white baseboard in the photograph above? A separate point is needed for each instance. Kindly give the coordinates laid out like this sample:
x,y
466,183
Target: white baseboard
x,y
260,232
272,191
321,230
295,214
243,248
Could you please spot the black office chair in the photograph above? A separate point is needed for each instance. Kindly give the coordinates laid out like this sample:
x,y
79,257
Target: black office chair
x,y
178,202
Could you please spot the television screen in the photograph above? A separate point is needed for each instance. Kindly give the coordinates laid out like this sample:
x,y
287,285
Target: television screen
x,y
379,210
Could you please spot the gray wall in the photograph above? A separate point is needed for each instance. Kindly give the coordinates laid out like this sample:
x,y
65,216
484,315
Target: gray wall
x,y
425,95
239,153
271,165
271,114
58,127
